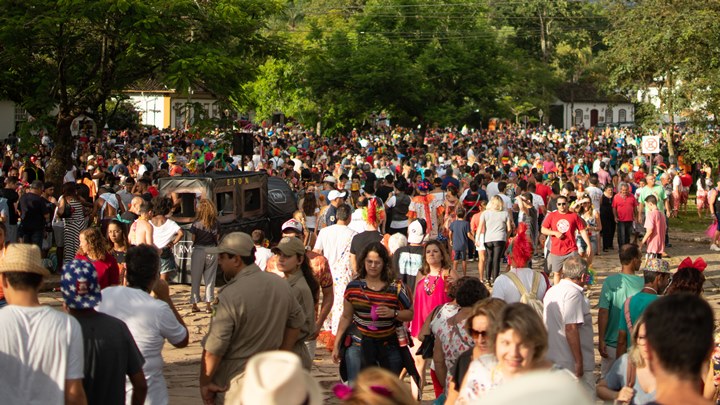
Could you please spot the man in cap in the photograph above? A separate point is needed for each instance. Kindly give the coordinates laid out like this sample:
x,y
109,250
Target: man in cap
x,y
657,277
110,350
321,271
256,312
41,348
335,198
407,260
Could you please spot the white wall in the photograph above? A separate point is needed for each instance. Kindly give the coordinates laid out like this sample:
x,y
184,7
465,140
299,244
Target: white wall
x,y
602,113
7,118
152,108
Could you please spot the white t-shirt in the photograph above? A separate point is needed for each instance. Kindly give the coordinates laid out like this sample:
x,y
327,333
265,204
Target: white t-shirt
x,y
262,255
332,240
40,348
505,289
164,234
565,304
506,201
150,321
677,184
595,195
141,170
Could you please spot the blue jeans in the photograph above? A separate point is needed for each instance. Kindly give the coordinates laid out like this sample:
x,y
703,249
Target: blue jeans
x,y
384,353
353,362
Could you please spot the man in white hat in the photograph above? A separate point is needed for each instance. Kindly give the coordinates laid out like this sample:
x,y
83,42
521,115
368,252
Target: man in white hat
x,y
277,378
41,349
335,198
256,312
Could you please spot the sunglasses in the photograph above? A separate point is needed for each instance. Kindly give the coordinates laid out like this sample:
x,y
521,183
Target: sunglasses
x,y
476,333
562,204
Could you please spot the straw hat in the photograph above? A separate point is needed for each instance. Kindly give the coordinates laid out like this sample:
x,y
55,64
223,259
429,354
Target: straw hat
x,y
277,378
21,257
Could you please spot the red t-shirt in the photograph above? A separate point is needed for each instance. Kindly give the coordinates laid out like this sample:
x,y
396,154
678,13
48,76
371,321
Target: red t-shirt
x,y
543,191
107,269
153,191
568,224
625,207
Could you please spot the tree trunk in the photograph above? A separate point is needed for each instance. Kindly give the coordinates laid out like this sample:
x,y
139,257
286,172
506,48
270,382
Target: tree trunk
x,y
670,133
62,153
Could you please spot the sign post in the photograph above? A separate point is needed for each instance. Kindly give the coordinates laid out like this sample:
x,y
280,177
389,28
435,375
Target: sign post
x,y
650,145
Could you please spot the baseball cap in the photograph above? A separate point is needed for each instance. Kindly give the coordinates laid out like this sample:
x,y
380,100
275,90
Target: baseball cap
x,y
329,179
416,231
334,194
657,266
236,243
79,285
289,246
24,258
292,224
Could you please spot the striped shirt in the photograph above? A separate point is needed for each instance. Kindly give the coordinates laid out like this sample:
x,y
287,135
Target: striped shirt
x,y
362,298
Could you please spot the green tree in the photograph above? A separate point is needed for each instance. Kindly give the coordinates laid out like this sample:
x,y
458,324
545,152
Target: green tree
x,y
671,45
66,57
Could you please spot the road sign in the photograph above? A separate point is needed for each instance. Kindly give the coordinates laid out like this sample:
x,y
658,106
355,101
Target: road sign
x,y
650,144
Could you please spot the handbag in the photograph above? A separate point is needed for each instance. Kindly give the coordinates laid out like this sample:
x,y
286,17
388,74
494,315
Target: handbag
x,y
428,342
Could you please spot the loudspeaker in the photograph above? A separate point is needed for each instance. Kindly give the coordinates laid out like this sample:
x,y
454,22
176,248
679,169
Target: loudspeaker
x,y
243,144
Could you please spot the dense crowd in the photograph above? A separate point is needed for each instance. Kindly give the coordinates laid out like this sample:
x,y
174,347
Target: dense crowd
x,y
372,267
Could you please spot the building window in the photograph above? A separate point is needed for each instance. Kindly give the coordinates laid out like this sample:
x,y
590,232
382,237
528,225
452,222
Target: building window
x,y
609,116
578,116
622,115
20,114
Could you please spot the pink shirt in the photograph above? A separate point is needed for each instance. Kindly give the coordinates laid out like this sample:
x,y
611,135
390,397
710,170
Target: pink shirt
x,y
424,303
655,223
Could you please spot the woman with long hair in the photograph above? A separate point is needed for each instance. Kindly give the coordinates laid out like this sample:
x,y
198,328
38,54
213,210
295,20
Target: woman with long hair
x,y
587,212
205,233
376,303
630,380
496,224
311,209
118,239
295,265
436,274
94,249
74,223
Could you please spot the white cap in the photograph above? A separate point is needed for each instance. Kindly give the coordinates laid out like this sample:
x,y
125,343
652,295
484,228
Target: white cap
x,y
541,388
334,194
416,231
329,179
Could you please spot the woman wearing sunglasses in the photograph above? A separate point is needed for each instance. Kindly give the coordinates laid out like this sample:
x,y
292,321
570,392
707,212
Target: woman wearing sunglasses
x,y
518,343
483,315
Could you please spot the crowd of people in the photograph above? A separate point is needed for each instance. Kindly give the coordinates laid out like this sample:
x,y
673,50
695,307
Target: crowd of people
x,y
369,268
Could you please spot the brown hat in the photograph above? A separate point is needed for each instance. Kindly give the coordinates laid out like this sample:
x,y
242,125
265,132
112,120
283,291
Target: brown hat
x,y
290,246
236,243
21,257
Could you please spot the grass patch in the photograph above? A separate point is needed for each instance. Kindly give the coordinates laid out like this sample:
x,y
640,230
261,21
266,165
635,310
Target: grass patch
x,y
688,221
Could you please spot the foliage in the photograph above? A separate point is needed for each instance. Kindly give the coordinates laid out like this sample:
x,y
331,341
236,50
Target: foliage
x,y
66,57
646,115
671,45
702,147
121,114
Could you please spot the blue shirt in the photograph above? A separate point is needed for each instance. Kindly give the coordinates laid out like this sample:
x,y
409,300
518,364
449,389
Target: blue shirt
x,y
460,229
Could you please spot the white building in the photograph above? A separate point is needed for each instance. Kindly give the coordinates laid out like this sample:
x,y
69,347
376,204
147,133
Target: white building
x,y
590,108
11,116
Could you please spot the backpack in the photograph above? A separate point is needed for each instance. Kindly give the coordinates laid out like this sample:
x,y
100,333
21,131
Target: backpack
x,y
529,298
